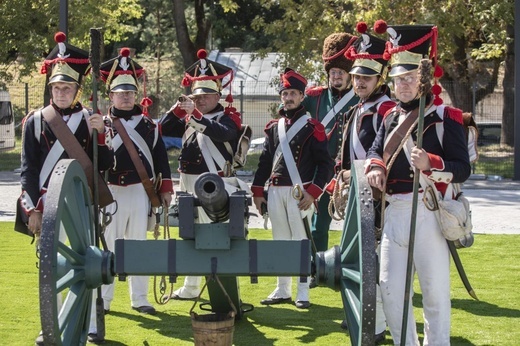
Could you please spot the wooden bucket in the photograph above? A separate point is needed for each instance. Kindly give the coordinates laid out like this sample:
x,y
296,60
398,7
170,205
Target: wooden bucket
x,y
213,329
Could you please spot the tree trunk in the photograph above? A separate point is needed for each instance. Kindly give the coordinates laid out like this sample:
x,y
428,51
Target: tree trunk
x,y
508,114
459,81
184,43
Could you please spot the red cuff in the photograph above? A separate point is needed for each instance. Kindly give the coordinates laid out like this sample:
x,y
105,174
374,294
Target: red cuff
x,y
178,112
436,162
258,191
101,138
39,205
166,186
197,114
375,162
314,190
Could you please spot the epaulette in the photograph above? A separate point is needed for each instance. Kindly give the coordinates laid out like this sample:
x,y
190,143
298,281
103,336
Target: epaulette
x,y
454,114
270,124
319,129
234,115
315,91
388,112
385,107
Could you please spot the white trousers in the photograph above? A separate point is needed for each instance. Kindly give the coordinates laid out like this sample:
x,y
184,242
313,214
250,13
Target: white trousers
x,y
431,262
129,222
287,223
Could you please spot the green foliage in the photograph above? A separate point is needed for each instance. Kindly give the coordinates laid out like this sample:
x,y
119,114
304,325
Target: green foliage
x,y
491,321
27,29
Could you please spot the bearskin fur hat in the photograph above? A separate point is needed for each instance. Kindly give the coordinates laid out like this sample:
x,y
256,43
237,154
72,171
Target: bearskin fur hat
x,y
334,48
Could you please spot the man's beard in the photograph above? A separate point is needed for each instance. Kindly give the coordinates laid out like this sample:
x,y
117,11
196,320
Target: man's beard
x,y
337,84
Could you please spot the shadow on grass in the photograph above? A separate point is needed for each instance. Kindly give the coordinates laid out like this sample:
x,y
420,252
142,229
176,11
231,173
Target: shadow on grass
x,y
172,326
310,324
314,322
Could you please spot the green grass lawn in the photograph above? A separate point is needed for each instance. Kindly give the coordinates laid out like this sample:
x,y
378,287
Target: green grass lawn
x,y
492,264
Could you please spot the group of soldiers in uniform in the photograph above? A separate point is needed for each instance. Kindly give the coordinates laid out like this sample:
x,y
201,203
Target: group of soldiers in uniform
x,y
321,131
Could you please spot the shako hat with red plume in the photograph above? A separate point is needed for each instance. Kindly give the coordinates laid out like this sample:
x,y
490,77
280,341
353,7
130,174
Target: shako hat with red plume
x,y
407,45
367,53
291,79
121,73
207,77
334,47
66,63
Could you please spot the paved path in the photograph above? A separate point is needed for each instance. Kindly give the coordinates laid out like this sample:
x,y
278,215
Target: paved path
x,y
495,204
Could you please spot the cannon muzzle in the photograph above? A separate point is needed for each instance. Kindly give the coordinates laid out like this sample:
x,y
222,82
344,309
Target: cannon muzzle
x,y
213,197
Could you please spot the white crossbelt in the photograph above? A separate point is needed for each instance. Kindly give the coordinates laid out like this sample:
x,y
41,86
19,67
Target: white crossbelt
x,y
136,138
339,106
289,135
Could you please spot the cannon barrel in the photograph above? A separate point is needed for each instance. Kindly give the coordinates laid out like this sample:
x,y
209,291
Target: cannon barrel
x,y
212,196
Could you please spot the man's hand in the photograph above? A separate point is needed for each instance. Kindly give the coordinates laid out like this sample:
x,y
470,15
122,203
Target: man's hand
x,y
96,122
306,201
258,203
166,199
377,178
35,222
420,159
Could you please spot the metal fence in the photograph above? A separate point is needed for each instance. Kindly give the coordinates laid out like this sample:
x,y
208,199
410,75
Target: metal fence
x,y
258,101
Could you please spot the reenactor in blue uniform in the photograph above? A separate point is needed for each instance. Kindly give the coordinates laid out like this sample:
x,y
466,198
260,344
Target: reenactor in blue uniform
x,y
66,67
296,164
209,132
362,122
133,214
443,158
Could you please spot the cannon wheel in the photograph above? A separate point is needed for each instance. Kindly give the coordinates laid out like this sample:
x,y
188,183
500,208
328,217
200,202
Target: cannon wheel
x,y
70,266
358,260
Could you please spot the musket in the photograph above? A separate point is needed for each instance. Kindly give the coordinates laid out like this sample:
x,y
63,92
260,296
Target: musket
x,y
424,70
95,61
460,269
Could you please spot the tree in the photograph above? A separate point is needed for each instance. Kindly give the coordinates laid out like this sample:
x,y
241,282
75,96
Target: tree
x,y
27,29
473,38
164,73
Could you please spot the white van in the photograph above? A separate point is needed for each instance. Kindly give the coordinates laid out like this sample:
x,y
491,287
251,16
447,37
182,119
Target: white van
x,y
7,136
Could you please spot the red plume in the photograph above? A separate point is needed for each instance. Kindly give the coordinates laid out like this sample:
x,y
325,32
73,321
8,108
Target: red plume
x,y
380,26
60,37
361,27
186,82
438,72
436,89
125,52
229,98
43,69
202,54
146,102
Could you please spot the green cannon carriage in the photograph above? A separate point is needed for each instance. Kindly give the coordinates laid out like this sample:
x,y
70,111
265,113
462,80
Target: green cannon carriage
x,y
72,266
